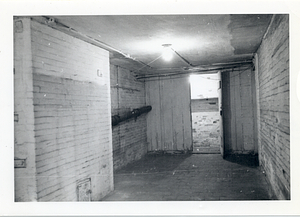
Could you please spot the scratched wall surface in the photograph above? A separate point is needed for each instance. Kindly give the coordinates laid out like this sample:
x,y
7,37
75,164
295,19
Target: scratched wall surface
x,y
72,115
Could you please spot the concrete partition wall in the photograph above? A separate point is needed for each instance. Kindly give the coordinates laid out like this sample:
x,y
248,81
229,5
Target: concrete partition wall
x,y
239,110
67,89
169,122
272,73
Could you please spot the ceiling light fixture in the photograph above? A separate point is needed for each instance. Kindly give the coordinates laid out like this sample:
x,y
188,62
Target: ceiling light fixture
x,y
167,53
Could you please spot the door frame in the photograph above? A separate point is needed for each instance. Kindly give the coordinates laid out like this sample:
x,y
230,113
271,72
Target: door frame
x,y
222,146
221,135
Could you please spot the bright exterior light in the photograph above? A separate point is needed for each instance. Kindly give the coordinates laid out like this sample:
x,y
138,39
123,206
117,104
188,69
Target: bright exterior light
x,y
193,78
167,54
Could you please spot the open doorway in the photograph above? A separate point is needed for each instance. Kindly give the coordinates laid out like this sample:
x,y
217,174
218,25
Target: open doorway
x,y
206,119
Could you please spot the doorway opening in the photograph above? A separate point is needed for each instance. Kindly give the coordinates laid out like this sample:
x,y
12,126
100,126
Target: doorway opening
x,y
205,112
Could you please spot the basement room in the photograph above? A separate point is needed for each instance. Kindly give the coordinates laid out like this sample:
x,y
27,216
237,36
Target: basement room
x,y
178,107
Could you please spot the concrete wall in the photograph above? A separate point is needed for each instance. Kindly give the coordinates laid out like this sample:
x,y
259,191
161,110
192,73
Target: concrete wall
x,y
169,125
239,105
72,116
272,81
24,148
129,137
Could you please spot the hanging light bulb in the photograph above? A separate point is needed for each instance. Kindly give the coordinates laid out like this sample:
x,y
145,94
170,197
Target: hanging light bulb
x,y
167,54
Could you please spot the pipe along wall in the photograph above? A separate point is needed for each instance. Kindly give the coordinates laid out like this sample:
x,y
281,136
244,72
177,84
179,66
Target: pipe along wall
x,y
116,119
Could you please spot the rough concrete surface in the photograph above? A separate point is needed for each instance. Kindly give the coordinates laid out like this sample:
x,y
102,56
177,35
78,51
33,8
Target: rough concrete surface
x,y
196,177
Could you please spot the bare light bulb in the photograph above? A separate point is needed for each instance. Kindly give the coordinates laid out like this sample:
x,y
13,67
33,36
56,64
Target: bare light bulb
x,y
167,54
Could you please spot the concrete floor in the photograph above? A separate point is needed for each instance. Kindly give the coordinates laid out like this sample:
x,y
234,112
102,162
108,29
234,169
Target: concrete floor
x,y
190,177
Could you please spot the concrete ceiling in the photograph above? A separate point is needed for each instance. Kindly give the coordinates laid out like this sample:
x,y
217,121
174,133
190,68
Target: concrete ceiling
x,y
135,41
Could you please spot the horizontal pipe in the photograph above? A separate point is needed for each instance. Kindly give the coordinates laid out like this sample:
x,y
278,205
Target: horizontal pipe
x,y
116,119
201,67
188,72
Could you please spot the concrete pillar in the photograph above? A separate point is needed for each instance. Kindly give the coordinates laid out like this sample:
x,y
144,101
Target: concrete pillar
x,y
24,147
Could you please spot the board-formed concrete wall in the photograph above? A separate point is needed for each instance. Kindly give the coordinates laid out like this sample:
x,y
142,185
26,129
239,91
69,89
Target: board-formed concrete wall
x,y
239,106
272,81
169,126
129,137
70,88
